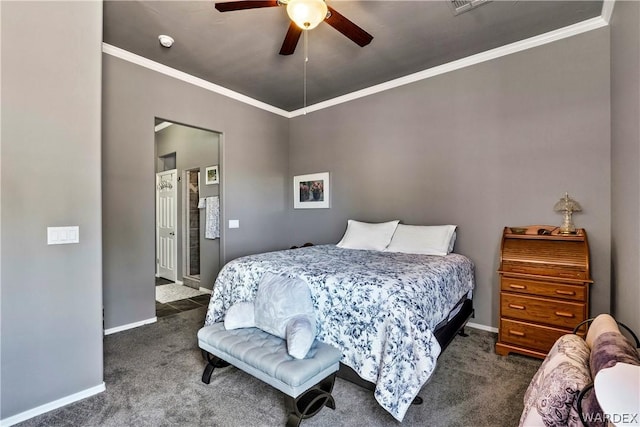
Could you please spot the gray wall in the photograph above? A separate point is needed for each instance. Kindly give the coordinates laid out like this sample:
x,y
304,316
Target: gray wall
x,y
625,158
255,184
51,305
194,148
488,146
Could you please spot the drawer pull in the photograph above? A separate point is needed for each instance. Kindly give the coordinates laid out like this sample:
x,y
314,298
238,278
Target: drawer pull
x,y
512,286
565,314
516,333
517,307
562,292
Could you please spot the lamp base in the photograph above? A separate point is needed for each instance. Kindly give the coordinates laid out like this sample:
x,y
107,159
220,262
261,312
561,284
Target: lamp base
x,y
567,226
567,232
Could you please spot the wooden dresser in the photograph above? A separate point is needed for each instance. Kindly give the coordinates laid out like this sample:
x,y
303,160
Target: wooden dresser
x,y
544,289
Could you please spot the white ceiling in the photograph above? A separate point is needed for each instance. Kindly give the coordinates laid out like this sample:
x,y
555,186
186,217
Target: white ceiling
x,y
239,50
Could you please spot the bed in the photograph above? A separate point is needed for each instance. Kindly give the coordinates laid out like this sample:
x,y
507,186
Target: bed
x,y
379,308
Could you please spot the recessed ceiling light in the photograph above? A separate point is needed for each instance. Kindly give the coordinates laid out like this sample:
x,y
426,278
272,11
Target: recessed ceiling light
x,y
165,41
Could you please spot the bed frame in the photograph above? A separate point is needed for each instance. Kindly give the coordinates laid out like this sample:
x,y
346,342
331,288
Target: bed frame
x,y
444,334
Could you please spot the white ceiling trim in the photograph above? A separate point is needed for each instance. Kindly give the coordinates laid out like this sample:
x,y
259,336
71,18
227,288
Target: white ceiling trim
x,y
188,78
607,9
542,39
162,125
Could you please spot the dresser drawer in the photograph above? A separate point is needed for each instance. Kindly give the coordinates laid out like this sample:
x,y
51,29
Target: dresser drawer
x,y
542,310
537,337
542,269
544,289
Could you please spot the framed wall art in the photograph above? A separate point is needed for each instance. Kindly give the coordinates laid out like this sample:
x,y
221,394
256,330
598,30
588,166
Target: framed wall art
x,y
212,175
311,191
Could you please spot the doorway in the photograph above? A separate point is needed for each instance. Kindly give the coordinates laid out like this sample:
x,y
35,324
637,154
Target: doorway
x,y
188,152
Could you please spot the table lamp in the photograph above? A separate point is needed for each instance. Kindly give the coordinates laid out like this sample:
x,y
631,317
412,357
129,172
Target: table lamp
x,y
567,206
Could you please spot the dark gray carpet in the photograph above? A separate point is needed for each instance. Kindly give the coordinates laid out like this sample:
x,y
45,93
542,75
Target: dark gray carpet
x,y
153,376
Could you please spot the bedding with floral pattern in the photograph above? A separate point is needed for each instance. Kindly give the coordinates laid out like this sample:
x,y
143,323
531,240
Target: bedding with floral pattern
x,y
378,308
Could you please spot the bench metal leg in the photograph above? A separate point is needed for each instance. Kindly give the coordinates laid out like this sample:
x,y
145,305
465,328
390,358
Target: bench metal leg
x,y
310,402
206,375
213,362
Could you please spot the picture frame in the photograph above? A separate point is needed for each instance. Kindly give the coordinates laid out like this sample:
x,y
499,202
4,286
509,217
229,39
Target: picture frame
x,y
212,175
312,191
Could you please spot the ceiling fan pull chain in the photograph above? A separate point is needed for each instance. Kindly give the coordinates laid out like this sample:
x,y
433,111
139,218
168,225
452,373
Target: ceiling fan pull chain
x,y
306,59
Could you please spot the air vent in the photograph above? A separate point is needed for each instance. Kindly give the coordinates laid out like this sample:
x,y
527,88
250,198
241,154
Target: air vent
x,y
461,6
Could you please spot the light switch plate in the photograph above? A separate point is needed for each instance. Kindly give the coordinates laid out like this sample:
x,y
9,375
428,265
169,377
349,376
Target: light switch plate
x,y
234,223
63,235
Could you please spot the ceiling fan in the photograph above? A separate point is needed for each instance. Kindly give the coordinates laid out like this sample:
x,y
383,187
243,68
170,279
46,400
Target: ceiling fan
x,y
304,15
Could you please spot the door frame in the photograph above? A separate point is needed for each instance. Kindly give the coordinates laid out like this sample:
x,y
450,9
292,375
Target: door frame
x,y
174,182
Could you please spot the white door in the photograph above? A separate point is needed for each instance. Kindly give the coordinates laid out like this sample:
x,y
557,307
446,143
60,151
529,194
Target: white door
x,y
166,213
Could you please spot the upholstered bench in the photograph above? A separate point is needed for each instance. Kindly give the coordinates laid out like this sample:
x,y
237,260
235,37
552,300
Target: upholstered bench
x,y
307,383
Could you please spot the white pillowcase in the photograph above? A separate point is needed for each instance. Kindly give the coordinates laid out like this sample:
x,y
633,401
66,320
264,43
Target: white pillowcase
x,y
284,308
279,299
240,315
423,239
300,336
364,235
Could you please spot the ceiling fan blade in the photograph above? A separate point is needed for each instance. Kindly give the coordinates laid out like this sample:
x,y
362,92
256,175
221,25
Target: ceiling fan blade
x,y
241,5
348,28
291,39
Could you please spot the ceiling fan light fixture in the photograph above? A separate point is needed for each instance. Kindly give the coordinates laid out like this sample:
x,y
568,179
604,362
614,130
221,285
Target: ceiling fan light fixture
x,y
307,14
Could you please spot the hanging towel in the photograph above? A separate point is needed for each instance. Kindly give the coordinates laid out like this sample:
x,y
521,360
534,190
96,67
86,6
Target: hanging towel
x,y
201,203
212,214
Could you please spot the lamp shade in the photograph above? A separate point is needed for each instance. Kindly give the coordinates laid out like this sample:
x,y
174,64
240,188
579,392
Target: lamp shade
x,y
307,14
567,204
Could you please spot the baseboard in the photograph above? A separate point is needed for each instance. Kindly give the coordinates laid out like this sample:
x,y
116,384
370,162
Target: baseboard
x,y
52,405
130,326
482,327
179,282
209,291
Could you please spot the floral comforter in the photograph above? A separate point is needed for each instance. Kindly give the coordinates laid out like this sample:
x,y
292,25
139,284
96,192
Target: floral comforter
x,y
378,308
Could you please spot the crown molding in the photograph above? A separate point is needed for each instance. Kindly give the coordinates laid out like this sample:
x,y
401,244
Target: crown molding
x,y
188,78
607,9
519,46
542,39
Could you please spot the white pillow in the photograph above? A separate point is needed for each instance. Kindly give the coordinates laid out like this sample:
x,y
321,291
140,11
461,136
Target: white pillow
x,y
423,239
364,235
300,336
240,315
279,299
452,242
